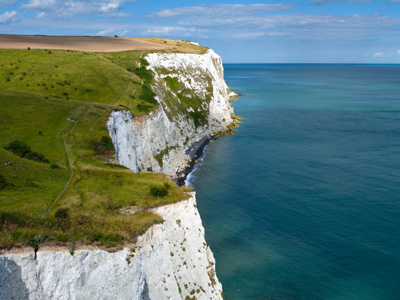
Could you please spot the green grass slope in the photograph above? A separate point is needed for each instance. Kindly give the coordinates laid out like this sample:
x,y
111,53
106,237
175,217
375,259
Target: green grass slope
x,y
58,102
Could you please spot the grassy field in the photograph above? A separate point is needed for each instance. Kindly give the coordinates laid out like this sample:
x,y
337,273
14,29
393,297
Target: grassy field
x,y
58,102
181,46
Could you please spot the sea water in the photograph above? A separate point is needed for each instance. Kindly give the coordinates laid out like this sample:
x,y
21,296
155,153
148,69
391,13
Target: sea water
x,y
303,202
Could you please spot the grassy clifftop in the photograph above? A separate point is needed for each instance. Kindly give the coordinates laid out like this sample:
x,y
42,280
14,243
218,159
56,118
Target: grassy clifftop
x,y
58,102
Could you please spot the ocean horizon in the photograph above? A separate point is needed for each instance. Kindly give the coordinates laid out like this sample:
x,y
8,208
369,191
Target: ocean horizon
x,y
302,202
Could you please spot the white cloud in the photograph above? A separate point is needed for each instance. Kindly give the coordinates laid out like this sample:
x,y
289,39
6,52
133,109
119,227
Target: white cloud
x,y
123,32
379,54
42,5
251,35
172,31
109,7
312,26
221,10
7,2
398,52
9,17
118,15
326,2
110,32
383,8
248,35
105,32
260,23
66,9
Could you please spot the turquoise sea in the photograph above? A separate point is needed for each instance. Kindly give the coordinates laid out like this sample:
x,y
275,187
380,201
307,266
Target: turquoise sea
x,y
303,202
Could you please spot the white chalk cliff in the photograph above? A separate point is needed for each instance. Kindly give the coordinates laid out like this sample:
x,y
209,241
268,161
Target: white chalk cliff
x,y
159,141
170,261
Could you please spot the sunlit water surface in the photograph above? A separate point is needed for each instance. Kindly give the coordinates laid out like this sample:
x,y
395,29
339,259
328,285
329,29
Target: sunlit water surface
x,y
303,202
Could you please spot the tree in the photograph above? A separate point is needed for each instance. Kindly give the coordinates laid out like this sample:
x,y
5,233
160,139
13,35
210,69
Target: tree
x,y
18,148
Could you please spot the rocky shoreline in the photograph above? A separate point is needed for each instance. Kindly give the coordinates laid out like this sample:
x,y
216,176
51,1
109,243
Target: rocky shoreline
x,y
194,152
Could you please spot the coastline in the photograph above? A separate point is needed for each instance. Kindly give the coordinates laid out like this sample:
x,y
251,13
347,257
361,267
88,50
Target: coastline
x,y
195,152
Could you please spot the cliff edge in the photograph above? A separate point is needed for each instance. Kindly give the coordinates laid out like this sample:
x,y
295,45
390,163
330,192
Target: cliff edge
x,y
170,261
193,103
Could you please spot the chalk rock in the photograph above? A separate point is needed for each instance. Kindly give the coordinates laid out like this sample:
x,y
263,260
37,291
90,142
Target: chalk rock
x,y
158,142
170,261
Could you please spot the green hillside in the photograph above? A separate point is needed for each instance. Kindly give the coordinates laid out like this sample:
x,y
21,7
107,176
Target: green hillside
x,y
68,189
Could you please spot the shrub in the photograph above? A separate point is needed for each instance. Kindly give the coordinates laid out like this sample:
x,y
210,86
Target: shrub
x,y
18,148
3,182
37,157
148,95
13,217
144,62
145,74
96,237
62,214
55,166
105,144
22,149
158,191
62,217
143,108
198,118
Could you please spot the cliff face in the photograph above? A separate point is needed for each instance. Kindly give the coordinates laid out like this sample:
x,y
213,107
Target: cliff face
x,y
170,261
193,103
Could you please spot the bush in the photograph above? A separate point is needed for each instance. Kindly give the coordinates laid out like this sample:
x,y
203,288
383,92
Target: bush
x,y
105,144
143,108
22,149
198,118
13,217
144,62
145,74
62,214
148,95
55,166
3,182
158,191
19,148
37,157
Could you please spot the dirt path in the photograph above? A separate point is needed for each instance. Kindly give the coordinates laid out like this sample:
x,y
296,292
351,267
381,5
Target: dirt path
x,y
79,43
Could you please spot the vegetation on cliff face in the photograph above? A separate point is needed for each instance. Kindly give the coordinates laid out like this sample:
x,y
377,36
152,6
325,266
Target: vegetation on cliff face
x,y
58,102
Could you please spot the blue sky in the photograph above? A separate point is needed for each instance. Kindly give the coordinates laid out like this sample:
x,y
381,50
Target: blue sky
x,y
293,31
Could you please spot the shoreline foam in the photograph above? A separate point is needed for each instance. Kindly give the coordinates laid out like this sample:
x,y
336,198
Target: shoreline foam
x,y
195,153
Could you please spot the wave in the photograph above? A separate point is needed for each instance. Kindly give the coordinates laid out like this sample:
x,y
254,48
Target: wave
x,y
191,177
